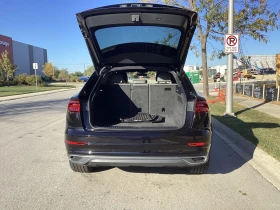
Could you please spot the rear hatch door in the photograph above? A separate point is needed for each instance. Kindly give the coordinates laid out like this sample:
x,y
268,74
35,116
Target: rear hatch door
x,y
138,34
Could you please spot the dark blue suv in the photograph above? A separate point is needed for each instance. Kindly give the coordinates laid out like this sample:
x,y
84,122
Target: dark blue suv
x,y
153,121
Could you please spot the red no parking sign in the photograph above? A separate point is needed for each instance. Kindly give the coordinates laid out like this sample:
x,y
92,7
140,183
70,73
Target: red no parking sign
x,y
231,43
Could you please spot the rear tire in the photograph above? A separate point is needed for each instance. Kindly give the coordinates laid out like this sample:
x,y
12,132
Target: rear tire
x,y
81,168
200,169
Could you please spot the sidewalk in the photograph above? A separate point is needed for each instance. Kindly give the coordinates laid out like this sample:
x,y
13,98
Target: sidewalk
x,y
250,103
8,98
265,107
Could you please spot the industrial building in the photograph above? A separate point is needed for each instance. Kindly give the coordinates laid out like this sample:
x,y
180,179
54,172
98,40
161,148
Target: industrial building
x,y
259,61
24,55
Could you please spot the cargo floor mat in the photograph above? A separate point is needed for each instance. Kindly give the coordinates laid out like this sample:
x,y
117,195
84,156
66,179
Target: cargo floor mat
x,y
143,117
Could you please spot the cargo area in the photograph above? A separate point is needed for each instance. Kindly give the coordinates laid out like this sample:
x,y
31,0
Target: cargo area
x,y
119,104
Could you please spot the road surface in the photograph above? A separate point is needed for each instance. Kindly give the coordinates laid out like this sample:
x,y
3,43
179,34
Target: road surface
x,y
35,173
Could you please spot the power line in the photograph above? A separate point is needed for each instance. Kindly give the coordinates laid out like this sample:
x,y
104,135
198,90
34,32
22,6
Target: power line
x,y
72,64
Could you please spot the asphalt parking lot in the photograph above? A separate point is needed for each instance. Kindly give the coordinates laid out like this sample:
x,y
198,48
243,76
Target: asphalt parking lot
x,y
35,173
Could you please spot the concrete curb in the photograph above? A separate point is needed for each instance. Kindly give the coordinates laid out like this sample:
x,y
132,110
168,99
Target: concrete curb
x,y
14,97
266,165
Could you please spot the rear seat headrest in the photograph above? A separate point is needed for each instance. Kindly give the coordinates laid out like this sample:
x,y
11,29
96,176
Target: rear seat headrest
x,y
163,77
117,77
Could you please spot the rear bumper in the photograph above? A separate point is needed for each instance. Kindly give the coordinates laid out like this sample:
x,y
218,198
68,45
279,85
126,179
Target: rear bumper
x,y
144,149
143,161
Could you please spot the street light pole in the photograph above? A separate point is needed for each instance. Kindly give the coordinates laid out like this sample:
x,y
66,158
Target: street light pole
x,y
229,96
85,70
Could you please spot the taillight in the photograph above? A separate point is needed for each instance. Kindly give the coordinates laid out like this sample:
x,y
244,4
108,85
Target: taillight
x,y
201,106
74,106
78,143
196,144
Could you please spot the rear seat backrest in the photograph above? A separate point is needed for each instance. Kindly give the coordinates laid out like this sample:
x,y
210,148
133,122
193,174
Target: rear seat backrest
x,y
139,81
162,98
140,97
126,99
116,98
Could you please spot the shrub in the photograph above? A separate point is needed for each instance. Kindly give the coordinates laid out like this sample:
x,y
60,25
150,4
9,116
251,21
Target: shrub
x,y
31,80
74,78
44,79
20,79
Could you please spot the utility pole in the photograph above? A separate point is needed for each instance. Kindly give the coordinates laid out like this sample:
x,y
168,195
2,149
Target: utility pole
x,y
229,92
85,69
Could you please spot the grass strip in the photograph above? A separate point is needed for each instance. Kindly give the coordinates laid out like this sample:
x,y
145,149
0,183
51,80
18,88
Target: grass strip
x,y
18,90
261,129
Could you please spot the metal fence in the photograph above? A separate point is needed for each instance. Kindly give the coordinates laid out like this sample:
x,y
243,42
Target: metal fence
x,y
266,91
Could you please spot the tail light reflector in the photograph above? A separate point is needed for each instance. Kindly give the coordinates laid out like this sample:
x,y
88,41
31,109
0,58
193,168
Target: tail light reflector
x,y
74,106
201,106
196,144
79,143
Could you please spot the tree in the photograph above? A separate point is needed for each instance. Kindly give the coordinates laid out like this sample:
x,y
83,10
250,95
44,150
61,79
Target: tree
x,y
64,75
7,68
56,72
48,70
77,73
2,74
89,70
253,18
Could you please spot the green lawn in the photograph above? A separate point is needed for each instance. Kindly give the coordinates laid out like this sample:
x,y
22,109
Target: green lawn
x,y
259,128
17,90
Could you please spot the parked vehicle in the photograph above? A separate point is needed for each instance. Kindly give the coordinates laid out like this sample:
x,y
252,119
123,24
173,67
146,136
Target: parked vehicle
x,y
268,71
218,77
254,71
84,78
246,73
112,122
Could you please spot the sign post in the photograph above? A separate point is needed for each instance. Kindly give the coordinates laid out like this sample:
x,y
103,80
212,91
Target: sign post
x,y
231,46
35,67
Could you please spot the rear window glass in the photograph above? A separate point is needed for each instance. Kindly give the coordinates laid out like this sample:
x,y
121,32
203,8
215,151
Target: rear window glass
x,y
108,37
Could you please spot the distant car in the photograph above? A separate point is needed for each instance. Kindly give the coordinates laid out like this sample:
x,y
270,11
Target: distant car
x,y
113,122
219,77
83,78
268,71
254,71
259,72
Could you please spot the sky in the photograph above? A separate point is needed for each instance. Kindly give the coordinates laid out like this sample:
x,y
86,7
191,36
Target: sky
x,y
51,24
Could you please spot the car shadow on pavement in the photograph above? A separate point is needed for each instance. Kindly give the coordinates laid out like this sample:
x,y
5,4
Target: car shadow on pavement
x,y
155,170
225,159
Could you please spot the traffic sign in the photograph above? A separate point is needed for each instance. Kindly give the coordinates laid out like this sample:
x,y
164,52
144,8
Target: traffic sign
x,y
35,65
231,43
